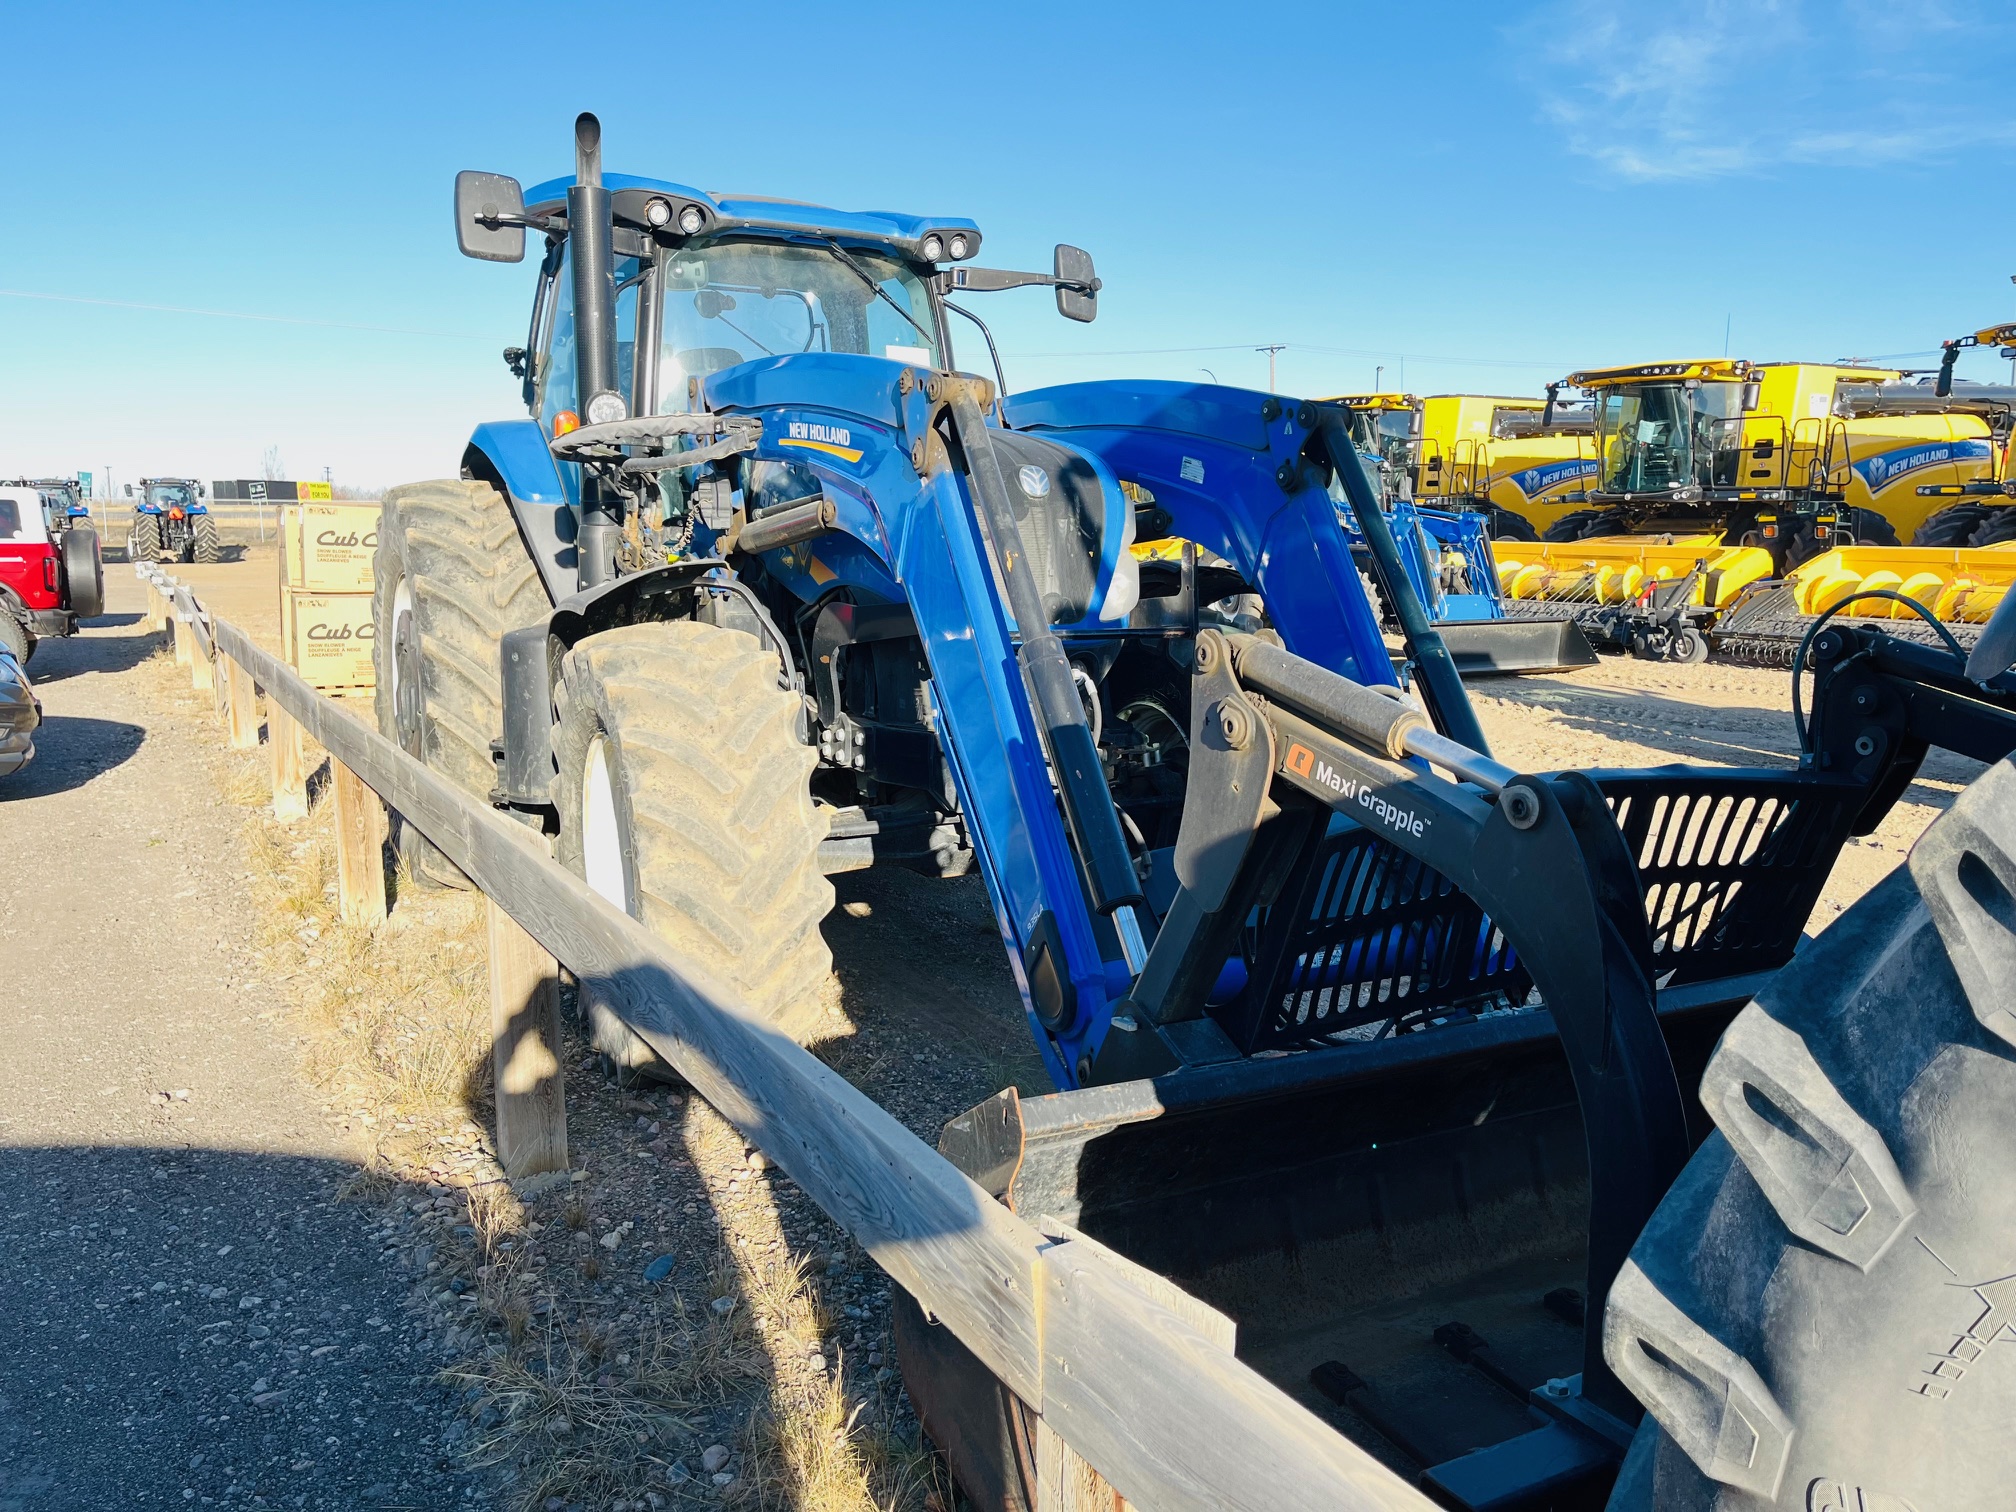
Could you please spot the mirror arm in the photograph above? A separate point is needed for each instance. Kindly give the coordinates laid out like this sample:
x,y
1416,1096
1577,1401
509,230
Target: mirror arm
x,y
551,225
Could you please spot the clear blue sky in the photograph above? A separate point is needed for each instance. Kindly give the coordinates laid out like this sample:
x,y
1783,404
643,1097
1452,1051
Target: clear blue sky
x,y
1478,197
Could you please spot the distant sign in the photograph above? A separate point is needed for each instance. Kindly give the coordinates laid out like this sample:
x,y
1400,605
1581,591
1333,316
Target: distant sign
x,y
314,490
84,484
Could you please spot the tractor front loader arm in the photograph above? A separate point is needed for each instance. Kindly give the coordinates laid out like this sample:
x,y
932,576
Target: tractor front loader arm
x,y
1279,745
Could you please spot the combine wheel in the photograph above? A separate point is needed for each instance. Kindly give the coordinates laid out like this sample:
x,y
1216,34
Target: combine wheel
x,y
452,575
203,539
1954,525
1580,524
1509,525
146,538
1817,1314
1999,527
685,800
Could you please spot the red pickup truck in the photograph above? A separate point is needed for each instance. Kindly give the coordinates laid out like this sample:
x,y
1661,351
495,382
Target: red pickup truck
x,y
51,573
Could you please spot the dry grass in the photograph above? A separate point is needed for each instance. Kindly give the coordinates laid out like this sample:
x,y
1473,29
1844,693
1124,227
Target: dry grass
x,y
564,1399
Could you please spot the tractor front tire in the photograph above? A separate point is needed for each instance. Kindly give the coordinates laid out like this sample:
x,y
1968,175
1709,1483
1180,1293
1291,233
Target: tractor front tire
x,y
1817,1314
685,800
451,576
203,545
146,538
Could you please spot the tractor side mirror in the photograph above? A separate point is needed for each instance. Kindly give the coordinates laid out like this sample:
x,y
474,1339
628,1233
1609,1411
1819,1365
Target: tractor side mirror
x,y
129,490
1077,284
484,202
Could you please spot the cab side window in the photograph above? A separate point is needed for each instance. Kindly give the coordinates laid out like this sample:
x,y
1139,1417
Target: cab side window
x,y
556,361
10,520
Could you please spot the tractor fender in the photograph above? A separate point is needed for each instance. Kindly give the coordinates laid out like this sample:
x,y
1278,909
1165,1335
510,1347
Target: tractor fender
x,y
704,589
512,457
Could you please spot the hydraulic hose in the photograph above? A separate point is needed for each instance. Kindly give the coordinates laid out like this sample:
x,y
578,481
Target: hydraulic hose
x,y
1088,806
1441,687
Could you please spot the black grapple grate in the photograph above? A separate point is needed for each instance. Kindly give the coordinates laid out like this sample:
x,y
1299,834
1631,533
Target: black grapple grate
x,y
1731,862
1365,938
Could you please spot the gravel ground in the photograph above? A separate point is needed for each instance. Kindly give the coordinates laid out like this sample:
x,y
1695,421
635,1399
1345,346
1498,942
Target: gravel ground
x,y
193,1314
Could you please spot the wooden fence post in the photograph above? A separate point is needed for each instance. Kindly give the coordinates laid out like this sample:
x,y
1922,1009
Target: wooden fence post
x,y
525,1052
360,864
290,782
244,696
181,628
202,676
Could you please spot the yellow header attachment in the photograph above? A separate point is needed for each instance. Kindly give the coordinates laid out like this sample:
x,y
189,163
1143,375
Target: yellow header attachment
x,y
1367,403
1711,369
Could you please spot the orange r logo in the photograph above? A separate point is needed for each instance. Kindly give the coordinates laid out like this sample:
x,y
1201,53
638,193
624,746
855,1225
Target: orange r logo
x,y
1300,759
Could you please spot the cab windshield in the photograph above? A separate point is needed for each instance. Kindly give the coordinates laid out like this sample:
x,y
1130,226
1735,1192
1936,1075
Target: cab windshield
x,y
1659,437
735,301
170,495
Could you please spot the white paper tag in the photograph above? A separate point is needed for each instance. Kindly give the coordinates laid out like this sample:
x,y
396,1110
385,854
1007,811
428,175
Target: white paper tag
x,y
1192,470
918,356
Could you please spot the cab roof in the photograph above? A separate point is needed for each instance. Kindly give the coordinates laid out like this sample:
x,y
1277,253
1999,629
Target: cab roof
x,y
755,212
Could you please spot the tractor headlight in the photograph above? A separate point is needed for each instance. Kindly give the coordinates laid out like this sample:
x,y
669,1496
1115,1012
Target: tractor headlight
x,y
691,219
659,212
934,248
959,246
607,407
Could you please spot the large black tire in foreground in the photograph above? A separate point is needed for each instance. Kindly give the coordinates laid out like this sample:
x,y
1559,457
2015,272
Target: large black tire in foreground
x,y
203,542
451,576
1822,1313
83,572
685,800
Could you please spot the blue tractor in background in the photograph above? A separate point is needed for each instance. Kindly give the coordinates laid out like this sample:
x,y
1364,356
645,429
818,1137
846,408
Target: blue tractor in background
x,y
763,588
171,522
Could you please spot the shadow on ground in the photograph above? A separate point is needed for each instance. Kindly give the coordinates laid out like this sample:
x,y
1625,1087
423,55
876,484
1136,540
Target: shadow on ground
x,y
193,1323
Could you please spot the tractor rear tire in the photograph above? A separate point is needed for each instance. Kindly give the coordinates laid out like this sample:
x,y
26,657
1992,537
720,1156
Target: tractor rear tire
x,y
1952,526
1997,528
1580,524
203,539
146,538
1817,1314
451,576
685,800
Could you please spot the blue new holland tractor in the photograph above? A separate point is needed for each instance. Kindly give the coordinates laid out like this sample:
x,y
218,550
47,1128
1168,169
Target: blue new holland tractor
x,y
172,522
1368,1040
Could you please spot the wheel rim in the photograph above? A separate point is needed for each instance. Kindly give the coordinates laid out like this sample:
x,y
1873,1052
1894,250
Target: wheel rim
x,y
601,840
408,698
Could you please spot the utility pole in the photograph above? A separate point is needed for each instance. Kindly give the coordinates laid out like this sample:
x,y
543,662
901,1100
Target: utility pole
x,y
1270,350
1379,379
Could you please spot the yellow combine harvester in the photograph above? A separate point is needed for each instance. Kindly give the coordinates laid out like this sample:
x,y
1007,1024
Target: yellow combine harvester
x,y
1715,479
1778,455
1517,460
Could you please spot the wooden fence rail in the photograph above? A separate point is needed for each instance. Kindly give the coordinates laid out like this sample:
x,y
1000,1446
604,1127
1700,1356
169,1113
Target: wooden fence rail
x,y
1132,1381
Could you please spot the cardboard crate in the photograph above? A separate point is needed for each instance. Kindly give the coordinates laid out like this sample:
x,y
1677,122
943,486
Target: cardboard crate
x,y
328,637
328,548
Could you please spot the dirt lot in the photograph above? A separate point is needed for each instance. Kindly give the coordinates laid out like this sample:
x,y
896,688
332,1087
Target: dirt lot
x,y
674,1325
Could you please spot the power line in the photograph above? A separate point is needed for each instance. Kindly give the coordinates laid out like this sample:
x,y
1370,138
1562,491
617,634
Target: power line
x,y
1328,351
297,320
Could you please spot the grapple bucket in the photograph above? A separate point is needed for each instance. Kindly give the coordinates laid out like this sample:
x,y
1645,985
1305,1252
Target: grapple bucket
x,y
1507,647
